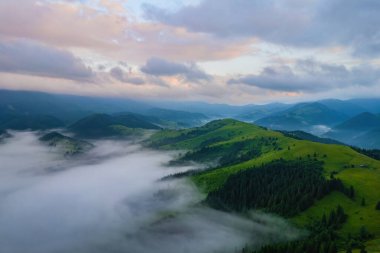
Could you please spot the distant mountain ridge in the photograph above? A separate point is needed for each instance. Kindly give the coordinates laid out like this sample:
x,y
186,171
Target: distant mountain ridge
x,y
22,110
70,108
362,130
104,125
302,116
347,108
30,122
363,121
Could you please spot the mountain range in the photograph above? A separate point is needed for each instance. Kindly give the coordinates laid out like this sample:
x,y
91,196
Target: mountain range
x,y
354,122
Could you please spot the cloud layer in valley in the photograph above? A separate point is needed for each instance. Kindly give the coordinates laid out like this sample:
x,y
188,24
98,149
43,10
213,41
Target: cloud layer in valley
x,y
111,200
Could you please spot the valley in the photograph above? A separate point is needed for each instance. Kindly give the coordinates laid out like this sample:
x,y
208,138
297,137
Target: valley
x,y
338,161
265,175
111,199
189,126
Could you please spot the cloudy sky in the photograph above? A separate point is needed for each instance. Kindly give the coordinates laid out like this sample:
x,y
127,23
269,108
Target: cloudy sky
x,y
230,51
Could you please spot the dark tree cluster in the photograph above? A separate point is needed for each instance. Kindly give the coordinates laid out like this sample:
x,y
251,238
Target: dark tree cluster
x,y
211,141
321,243
373,153
322,238
227,154
193,133
377,207
283,187
338,185
334,219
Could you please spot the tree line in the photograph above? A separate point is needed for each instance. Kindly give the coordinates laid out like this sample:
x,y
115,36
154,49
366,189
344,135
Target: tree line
x,y
282,187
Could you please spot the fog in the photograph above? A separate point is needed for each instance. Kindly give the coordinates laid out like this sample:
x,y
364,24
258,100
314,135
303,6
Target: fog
x,y
320,129
111,200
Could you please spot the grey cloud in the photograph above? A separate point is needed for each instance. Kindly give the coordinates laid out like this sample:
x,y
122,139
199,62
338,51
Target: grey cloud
x,y
122,76
310,76
289,22
162,67
349,22
28,57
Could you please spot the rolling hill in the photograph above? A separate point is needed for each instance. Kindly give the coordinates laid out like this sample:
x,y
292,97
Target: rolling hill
x,y
363,121
104,125
67,145
252,148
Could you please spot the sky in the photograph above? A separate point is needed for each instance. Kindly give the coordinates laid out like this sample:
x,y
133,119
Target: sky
x,y
218,51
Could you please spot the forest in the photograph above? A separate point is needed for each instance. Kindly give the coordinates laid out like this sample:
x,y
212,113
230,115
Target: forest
x,y
282,187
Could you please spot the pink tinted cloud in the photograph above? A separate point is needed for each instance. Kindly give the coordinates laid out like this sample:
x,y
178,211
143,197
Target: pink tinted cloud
x,y
112,32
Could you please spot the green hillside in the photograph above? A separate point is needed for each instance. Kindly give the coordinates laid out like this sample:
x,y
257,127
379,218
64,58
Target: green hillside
x,y
220,139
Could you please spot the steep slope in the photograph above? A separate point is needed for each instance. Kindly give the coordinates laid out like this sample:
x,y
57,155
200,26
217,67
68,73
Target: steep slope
x,y
361,130
363,121
303,116
369,140
346,107
339,162
103,125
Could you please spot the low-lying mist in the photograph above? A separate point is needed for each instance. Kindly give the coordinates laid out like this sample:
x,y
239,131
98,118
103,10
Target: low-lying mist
x,y
111,200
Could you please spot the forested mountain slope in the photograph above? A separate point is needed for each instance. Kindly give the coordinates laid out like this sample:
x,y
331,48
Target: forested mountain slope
x,y
340,176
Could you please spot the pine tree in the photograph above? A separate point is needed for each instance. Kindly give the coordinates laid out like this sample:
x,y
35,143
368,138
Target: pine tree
x,y
352,192
332,218
364,234
324,220
378,206
333,248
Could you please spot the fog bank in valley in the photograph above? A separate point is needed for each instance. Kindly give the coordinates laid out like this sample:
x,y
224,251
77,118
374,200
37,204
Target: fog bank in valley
x,y
111,200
